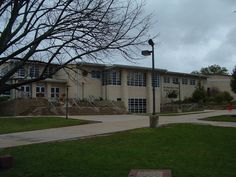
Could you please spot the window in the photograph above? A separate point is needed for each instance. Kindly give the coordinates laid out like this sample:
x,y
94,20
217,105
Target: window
x,y
166,80
111,77
184,81
175,80
156,80
25,91
40,89
55,92
136,79
48,71
34,71
95,74
21,72
192,82
137,105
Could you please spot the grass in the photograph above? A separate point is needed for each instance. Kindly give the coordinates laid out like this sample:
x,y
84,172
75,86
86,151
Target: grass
x,y
188,150
175,113
222,118
10,125
181,113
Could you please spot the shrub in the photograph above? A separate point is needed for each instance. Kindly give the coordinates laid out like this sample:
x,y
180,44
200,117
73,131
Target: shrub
x,y
199,95
172,94
4,98
219,98
227,96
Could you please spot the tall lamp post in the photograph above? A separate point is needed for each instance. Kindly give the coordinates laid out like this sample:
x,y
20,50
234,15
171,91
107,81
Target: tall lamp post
x,y
179,97
67,101
153,118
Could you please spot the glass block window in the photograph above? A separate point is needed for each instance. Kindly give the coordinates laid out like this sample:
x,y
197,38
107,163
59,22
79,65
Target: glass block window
x,y
136,79
192,82
137,105
21,72
156,80
34,71
184,81
55,92
111,77
175,80
166,80
96,74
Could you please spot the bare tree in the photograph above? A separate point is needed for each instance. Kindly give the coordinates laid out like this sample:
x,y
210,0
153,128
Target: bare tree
x,y
63,31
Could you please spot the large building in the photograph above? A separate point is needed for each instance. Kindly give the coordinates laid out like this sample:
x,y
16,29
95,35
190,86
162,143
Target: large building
x,y
130,84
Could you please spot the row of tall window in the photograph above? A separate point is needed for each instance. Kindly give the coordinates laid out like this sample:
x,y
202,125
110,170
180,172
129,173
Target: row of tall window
x,y
33,71
136,79
176,80
113,77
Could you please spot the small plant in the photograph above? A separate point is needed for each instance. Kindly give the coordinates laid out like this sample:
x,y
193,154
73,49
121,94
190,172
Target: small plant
x,y
199,95
172,94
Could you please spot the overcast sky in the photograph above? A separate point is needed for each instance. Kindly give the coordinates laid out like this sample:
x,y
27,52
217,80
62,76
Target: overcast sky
x,y
193,34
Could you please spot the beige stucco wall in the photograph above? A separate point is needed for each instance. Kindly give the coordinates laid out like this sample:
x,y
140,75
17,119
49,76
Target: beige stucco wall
x,y
112,92
87,87
83,86
186,90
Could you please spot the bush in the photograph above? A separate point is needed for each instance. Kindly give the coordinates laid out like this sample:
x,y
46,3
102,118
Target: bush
x,y
199,95
222,97
219,98
227,96
172,94
4,98
187,100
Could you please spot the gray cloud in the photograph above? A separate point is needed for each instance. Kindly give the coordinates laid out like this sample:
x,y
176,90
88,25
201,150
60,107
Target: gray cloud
x,y
225,54
195,34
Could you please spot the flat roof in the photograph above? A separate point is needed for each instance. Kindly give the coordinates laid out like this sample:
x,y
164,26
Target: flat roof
x,y
162,71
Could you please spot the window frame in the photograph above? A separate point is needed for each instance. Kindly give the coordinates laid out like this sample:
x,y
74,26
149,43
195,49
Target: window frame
x,y
137,105
111,77
136,79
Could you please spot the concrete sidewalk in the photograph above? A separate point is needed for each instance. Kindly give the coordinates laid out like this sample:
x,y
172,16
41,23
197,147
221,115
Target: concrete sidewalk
x,y
110,124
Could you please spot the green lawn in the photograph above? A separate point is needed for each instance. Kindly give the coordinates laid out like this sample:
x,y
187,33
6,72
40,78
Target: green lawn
x,y
181,113
223,118
188,150
9,125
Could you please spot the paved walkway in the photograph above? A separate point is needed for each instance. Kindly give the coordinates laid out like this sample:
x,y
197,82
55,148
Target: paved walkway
x,y
110,124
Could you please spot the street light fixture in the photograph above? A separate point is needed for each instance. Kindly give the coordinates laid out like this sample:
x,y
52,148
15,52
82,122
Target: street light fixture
x,y
146,52
153,118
